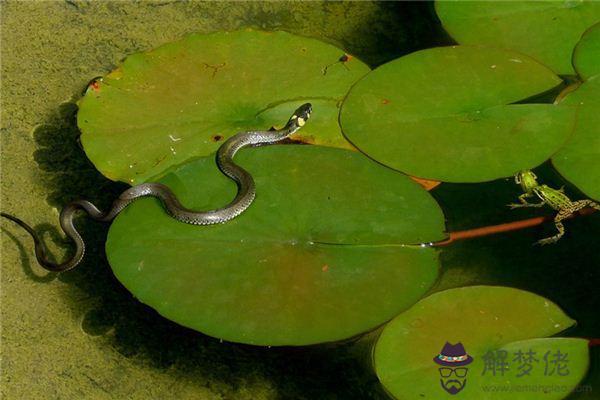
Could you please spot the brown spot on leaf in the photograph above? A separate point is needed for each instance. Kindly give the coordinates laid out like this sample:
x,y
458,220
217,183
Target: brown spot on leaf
x,y
93,85
215,68
385,101
343,59
159,160
216,138
426,183
304,139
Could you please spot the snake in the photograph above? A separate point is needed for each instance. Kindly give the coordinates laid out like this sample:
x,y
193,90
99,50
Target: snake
x,y
224,158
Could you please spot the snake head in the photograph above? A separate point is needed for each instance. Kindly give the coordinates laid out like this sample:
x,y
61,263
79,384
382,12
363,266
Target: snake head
x,y
299,118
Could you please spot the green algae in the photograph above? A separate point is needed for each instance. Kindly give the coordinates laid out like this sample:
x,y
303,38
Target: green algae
x,y
81,334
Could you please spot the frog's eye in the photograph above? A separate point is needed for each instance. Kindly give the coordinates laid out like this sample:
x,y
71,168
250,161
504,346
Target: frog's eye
x,y
518,178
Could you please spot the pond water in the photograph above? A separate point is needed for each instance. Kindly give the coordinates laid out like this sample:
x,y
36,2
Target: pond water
x,y
82,334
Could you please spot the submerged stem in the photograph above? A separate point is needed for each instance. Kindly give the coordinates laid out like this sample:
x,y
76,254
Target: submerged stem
x,y
507,227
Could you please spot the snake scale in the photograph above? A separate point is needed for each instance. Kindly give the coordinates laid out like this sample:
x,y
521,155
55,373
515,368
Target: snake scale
x,y
245,195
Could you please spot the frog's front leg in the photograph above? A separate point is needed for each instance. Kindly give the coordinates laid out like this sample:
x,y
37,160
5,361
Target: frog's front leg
x,y
525,203
524,196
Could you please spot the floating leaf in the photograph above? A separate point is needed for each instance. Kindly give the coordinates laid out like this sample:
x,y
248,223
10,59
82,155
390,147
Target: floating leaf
x,y
579,160
545,30
485,319
317,257
586,56
325,120
446,114
184,99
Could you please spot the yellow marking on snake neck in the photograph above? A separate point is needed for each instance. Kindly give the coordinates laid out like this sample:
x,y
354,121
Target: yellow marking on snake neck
x,y
301,121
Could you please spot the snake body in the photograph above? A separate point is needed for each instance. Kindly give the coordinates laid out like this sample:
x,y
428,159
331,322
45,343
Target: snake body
x,y
245,195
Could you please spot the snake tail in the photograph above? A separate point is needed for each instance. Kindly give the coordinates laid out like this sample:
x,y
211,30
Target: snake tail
x,y
40,248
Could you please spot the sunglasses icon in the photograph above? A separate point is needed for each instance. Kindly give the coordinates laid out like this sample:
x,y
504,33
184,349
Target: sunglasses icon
x,y
459,372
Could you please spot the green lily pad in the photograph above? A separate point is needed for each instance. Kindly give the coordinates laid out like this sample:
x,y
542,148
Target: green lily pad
x,y
545,30
488,321
579,160
324,120
317,257
586,56
183,99
446,114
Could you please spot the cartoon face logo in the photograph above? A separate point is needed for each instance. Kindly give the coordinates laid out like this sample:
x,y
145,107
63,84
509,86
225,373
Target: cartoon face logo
x,y
453,373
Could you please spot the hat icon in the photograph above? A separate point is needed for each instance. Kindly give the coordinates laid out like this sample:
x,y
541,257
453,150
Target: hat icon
x,y
453,355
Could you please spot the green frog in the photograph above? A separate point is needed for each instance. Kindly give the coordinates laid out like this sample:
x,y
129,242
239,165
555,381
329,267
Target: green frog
x,y
555,198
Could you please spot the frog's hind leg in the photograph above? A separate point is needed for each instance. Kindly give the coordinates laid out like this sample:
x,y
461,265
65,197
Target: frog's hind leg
x,y
559,226
565,213
580,204
589,203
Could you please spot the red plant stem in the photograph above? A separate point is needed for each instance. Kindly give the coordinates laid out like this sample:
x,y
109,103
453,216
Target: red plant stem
x,y
493,229
593,342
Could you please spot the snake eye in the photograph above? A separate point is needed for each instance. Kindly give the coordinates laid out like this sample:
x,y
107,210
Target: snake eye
x,y
301,114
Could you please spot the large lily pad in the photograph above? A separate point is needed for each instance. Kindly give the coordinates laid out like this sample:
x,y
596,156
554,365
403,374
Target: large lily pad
x,y
586,56
488,321
579,160
446,114
183,99
545,30
317,257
